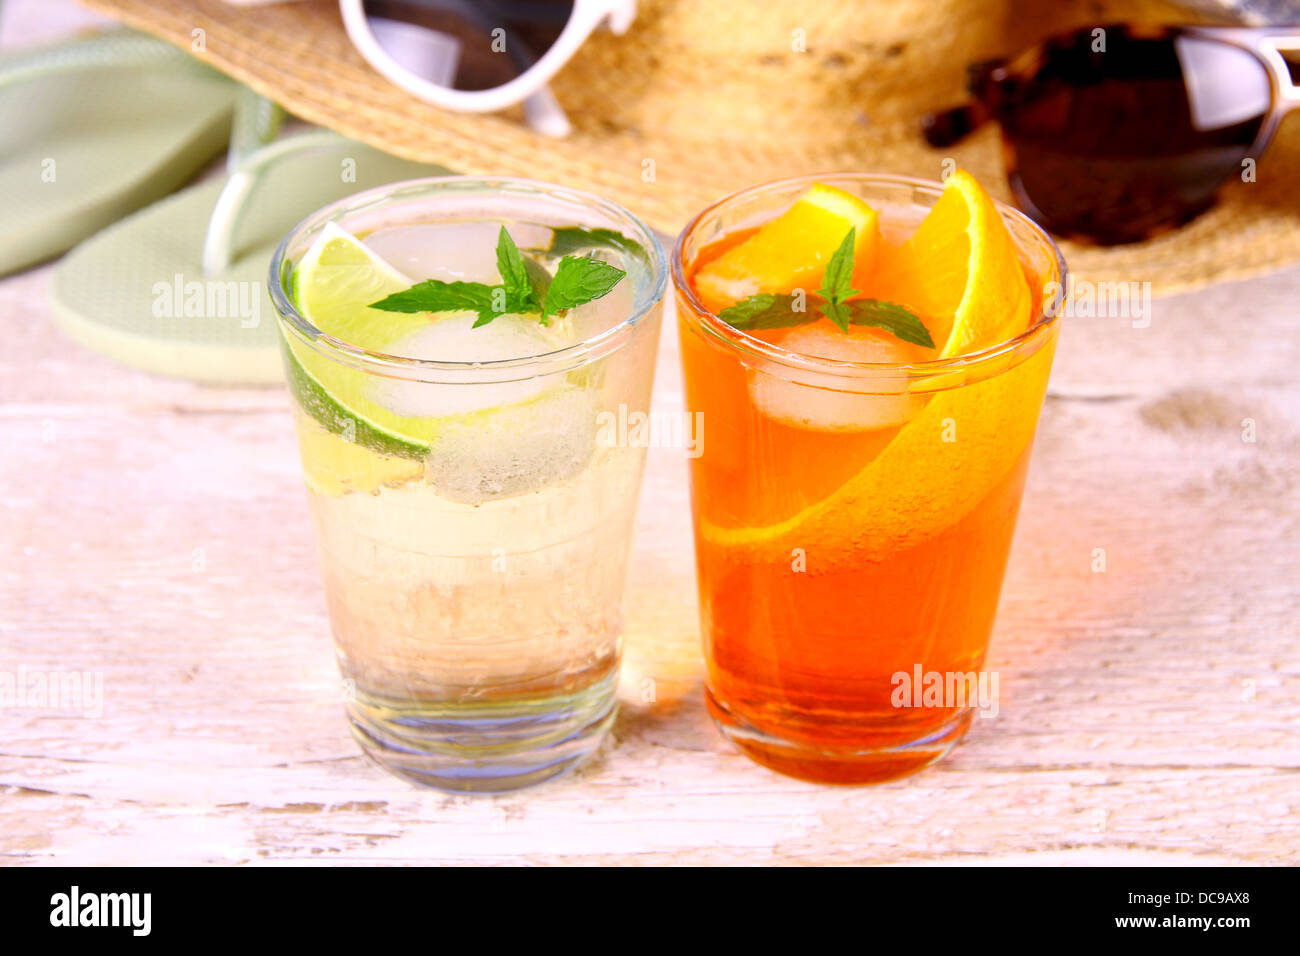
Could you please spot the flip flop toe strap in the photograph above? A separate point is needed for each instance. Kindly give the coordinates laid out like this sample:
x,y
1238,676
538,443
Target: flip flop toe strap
x,y
219,243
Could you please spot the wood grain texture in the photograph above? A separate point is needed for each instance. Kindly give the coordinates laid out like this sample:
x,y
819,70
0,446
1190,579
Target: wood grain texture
x,y
156,532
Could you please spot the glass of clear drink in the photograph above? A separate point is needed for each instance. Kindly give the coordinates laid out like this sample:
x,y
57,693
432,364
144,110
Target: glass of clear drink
x,y
473,509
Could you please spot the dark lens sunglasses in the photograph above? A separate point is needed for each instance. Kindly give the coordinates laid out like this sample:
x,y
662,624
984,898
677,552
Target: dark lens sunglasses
x,y
1116,133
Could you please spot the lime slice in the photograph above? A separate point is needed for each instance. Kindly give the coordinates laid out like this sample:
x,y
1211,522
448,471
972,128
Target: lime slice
x,y
542,425
333,286
333,466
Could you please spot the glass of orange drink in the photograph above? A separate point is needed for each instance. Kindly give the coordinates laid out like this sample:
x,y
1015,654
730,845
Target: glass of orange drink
x,y
869,354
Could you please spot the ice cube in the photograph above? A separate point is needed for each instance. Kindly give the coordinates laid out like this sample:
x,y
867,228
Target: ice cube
x,y
451,251
513,449
838,403
452,338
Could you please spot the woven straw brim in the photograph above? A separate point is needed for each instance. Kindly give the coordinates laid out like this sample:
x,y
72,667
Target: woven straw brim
x,y
299,55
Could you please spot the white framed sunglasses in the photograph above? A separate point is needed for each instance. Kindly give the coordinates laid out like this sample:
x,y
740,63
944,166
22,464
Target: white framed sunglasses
x,y
480,55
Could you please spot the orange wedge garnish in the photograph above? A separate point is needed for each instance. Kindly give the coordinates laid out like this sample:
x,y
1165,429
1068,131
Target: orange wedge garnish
x,y
959,272
791,251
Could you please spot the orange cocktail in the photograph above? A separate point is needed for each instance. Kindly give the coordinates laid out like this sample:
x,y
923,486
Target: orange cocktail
x,y
869,355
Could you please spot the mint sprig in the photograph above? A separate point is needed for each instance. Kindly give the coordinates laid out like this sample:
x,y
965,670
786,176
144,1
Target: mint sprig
x,y
769,310
526,288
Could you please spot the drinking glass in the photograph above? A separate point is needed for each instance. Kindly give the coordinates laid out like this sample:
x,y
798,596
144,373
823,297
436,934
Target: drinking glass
x,y
846,569
475,585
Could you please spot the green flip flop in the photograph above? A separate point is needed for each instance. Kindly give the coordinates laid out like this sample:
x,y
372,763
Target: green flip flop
x,y
93,130
179,288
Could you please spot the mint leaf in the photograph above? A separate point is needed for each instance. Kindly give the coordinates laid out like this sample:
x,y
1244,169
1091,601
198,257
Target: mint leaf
x,y
526,287
520,293
434,295
776,311
764,311
838,274
577,281
572,239
892,318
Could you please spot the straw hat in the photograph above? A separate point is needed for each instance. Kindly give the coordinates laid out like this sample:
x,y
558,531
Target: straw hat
x,y
702,98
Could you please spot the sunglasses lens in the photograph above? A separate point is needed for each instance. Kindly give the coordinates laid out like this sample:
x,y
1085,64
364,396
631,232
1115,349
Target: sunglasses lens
x,y
1117,135
466,44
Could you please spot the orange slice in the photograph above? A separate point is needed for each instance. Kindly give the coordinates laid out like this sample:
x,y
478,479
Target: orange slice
x,y
960,271
933,471
790,252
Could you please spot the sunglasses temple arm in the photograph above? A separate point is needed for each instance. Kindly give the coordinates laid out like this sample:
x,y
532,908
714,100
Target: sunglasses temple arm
x,y
1289,81
545,114
947,127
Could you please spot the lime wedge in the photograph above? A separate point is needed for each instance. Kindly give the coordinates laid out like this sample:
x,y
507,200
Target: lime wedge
x,y
333,286
542,425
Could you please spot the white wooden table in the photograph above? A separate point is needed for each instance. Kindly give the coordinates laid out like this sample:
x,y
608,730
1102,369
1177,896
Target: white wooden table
x,y
155,533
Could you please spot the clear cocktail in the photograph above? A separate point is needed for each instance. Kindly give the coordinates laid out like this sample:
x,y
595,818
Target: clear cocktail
x,y
453,347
